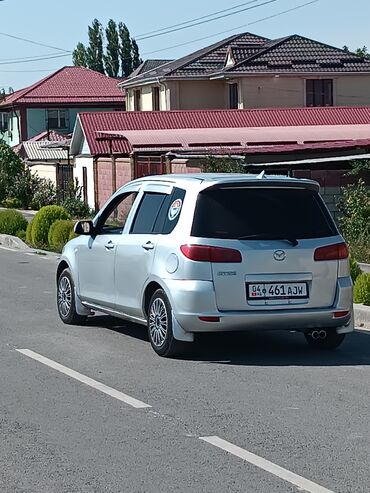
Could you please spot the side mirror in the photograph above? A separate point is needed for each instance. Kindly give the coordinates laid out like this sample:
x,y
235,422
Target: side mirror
x,y
84,228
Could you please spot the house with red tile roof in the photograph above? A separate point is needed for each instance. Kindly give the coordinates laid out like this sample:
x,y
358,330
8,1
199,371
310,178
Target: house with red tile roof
x,y
111,148
250,71
52,104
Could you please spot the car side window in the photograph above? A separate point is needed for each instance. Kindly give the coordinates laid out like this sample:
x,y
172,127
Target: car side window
x,y
147,213
114,217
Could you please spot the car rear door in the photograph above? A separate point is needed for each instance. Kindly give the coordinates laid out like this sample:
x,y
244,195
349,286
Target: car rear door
x,y
277,231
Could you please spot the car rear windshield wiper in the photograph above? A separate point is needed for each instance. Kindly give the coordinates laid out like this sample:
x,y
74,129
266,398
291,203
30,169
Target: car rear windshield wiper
x,y
268,236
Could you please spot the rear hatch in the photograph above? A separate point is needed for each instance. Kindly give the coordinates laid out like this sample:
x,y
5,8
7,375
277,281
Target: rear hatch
x,y
277,230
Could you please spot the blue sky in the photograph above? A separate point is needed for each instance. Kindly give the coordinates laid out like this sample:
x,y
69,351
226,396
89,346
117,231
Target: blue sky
x,y
63,24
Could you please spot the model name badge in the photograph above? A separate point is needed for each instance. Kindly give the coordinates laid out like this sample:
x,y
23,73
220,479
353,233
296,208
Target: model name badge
x,y
227,273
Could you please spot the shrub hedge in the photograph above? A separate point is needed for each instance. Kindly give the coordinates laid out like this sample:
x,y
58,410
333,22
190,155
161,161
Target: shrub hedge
x,y
355,269
12,221
42,221
361,291
59,234
29,232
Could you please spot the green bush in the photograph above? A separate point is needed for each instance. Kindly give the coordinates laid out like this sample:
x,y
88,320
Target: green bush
x,y
355,269
12,203
29,232
11,221
72,235
76,208
59,234
361,291
21,234
42,222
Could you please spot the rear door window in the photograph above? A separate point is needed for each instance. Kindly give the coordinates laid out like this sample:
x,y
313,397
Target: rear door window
x,y
148,212
265,213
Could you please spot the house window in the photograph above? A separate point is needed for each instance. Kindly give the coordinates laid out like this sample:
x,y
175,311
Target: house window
x,y
155,95
57,119
233,96
4,119
319,92
137,100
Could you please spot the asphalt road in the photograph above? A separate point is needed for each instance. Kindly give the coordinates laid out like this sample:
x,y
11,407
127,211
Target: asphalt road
x,y
268,394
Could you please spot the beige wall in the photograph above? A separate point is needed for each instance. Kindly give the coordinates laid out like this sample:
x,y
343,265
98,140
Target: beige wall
x,y
130,100
194,95
146,98
272,92
254,92
352,90
47,171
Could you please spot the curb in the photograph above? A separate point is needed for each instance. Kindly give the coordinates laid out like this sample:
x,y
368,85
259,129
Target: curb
x,y
16,243
13,242
362,315
364,267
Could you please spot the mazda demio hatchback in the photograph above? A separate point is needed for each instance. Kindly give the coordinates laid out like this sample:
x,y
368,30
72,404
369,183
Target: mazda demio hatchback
x,y
211,252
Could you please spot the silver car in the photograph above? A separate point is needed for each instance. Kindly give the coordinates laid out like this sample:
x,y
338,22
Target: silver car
x,y
211,252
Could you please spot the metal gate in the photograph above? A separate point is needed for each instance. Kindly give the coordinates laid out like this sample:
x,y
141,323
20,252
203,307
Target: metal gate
x,y
64,179
149,165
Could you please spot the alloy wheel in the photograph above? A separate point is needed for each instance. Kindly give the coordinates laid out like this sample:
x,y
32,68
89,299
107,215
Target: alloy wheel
x,y
64,296
158,322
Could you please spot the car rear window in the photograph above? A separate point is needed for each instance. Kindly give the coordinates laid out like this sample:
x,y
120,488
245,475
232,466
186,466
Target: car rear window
x,y
240,212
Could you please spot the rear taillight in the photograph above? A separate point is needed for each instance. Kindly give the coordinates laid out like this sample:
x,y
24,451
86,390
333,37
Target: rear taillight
x,y
205,253
338,251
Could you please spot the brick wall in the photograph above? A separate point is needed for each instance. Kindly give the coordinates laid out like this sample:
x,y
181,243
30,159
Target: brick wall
x,y
105,177
331,183
180,166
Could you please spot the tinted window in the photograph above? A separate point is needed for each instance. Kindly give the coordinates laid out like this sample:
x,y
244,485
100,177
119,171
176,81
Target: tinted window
x,y
238,212
147,213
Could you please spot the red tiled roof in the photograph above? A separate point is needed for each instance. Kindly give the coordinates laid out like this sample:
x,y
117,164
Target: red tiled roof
x,y
93,123
69,85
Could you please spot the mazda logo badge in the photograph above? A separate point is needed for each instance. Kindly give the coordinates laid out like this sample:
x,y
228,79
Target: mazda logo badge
x,y
279,255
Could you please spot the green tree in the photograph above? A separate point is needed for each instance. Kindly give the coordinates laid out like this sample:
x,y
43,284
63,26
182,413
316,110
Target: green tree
x,y
136,60
222,165
11,166
111,59
79,56
95,48
363,52
125,51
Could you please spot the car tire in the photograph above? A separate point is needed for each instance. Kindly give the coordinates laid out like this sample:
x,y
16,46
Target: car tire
x,y
66,302
160,326
331,340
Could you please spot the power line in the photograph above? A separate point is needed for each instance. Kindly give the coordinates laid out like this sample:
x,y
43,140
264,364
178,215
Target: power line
x,y
28,71
278,14
35,59
34,42
197,18
205,21
10,60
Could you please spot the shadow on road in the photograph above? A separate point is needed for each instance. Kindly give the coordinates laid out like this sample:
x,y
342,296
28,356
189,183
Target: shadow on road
x,y
273,348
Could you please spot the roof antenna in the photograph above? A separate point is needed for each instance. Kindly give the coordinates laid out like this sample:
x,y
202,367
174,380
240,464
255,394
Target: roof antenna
x,y
261,175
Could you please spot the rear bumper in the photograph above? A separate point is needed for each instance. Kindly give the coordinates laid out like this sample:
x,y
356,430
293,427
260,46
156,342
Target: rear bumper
x,y
192,299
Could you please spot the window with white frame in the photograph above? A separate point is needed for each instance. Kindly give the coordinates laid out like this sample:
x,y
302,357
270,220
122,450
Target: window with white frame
x,y
57,119
4,122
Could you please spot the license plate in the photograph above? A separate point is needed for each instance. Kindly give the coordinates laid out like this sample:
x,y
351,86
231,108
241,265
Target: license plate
x,y
277,291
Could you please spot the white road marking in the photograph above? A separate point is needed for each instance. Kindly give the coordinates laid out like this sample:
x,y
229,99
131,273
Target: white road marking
x,y
84,379
302,483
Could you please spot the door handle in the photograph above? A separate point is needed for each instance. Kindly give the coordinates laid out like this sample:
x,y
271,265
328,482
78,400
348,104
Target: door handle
x,y
110,245
148,246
